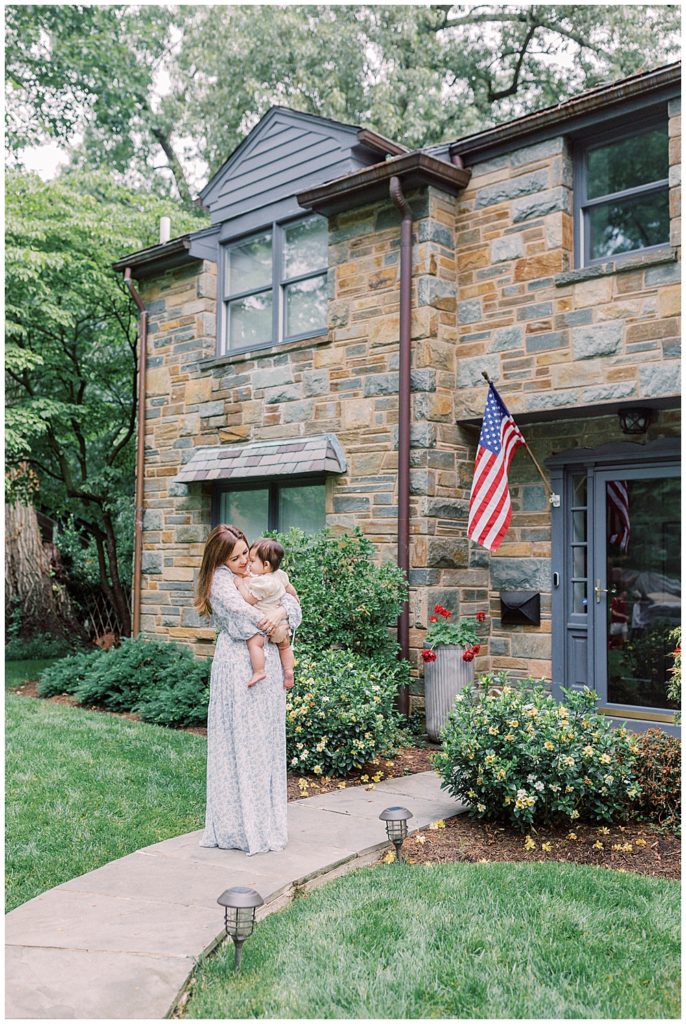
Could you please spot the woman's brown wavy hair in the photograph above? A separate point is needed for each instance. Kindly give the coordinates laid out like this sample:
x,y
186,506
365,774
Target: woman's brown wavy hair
x,y
218,548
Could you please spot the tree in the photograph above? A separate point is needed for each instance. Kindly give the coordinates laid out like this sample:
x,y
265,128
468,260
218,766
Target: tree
x,y
419,74
71,361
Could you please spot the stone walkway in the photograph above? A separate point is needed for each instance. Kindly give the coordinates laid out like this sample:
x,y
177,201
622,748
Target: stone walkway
x,y
120,942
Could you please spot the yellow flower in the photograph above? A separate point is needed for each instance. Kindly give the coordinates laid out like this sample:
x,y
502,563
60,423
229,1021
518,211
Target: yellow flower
x,y
493,731
513,723
471,793
597,846
490,758
389,764
572,835
547,847
378,777
605,759
508,737
588,751
437,824
574,814
507,801
298,728
420,839
370,786
317,769
640,842
548,745
389,857
364,778
604,831
342,785
529,843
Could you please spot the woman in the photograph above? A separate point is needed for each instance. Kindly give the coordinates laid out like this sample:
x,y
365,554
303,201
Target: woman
x,y
246,726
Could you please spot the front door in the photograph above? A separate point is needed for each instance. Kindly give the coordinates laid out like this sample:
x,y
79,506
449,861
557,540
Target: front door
x,y
616,583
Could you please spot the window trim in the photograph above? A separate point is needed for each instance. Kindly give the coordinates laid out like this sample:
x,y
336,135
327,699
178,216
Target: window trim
x,y
272,484
277,287
582,204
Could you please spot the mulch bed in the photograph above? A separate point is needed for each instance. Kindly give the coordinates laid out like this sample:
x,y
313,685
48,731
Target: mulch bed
x,y
642,848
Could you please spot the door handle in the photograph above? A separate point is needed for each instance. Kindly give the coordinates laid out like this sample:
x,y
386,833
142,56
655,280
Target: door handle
x,y
599,590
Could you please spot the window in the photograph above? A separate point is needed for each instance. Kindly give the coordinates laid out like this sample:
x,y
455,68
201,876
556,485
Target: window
x,y
622,193
274,285
274,506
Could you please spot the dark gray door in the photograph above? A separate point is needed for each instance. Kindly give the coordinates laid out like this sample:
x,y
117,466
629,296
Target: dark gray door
x,y
616,579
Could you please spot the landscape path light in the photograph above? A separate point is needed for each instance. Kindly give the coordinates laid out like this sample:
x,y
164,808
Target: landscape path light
x,y
240,904
396,819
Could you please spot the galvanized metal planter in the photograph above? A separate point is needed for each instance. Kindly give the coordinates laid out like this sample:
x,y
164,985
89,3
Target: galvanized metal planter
x,y
444,678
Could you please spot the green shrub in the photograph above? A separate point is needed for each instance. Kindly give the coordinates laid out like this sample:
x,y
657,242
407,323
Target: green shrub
x,y
347,600
658,770
674,684
36,648
160,681
179,704
341,712
67,674
520,756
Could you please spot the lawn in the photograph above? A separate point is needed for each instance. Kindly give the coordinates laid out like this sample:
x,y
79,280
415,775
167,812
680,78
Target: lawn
x,y
458,940
17,672
83,788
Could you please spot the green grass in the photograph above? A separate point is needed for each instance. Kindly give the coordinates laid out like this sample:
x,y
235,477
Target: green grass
x,y
83,788
17,672
458,940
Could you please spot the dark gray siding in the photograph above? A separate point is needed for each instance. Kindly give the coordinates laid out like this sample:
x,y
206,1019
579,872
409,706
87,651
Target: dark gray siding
x,y
285,153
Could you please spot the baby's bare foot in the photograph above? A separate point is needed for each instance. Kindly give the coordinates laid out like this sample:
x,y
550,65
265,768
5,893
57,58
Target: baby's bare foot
x,y
256,677
288,680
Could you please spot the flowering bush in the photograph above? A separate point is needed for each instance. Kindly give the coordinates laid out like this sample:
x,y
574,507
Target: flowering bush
x,y
658,769
462,633
341,712
674,684
519,756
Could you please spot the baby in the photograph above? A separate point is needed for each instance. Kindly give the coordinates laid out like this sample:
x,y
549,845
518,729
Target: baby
x,y
264,589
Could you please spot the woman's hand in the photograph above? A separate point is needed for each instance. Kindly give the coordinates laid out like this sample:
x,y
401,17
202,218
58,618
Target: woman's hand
x,y
269,623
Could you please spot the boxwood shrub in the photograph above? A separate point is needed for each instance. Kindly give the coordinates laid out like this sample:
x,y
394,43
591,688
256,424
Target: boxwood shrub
x,y
347,599
341,712
518,755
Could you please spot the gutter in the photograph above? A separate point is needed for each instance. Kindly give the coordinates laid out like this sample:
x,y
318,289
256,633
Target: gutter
x,y
556,118
157,257
404,414
140,454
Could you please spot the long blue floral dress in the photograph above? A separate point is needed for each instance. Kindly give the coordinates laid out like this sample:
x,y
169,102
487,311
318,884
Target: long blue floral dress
x,y
246,731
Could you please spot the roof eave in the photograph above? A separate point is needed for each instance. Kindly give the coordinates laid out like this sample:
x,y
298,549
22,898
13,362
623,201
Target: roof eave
x,y
158,257
371,183
559,115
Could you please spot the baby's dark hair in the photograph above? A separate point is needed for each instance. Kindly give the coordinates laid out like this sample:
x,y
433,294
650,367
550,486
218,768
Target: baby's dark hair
x,y
268,551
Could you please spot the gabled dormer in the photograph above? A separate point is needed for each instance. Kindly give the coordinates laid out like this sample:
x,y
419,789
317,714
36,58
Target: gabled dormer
x,y
285,153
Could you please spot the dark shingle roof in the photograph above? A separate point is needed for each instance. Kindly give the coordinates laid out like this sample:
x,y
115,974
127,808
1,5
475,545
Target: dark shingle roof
x,y
321,453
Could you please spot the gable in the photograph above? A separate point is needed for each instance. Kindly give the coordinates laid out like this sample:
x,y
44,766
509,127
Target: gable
x,y
285,153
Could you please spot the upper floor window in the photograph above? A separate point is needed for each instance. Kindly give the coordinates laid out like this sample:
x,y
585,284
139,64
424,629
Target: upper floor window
x,y
622,193
274,285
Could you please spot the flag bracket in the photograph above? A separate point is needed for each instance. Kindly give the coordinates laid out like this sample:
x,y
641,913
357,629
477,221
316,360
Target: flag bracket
x,y
553,498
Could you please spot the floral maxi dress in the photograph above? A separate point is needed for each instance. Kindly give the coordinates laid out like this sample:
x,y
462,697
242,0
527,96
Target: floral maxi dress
x,y
246,731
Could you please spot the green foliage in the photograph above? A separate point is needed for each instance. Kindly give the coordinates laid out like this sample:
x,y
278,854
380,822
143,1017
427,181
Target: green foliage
x,y
341,712
517,755
418,74
674,684
37,647
347,600
161,682
463,633
658,770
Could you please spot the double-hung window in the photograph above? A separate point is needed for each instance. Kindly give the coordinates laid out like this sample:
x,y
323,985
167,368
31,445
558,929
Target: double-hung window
x,y
622,192
274,285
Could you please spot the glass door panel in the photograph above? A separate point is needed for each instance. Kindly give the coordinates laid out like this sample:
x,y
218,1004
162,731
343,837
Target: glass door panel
x,y
638,596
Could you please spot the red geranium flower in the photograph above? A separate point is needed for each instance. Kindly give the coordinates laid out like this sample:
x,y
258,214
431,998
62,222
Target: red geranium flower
x,y
429,655
433,618
468,656
481,616
476,648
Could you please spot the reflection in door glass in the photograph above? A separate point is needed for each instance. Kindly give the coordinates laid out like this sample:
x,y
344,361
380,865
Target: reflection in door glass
x,y
644,584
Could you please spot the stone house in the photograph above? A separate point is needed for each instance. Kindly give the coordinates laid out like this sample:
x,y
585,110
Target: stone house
x,y
545,252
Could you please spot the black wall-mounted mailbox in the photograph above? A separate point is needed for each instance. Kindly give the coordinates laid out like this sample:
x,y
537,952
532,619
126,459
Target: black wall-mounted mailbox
x,y
520,608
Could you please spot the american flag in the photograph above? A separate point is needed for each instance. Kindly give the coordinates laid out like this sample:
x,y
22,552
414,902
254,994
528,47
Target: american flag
x,y
618,524
490,509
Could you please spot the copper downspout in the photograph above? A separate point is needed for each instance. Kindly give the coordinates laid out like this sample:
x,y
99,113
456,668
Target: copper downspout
x,y
399,200
140,453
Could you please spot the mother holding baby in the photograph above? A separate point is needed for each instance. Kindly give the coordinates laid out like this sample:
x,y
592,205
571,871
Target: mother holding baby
x,y
246,724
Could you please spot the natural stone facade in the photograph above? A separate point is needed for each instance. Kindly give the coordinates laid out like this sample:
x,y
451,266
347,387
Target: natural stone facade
x,y
492,290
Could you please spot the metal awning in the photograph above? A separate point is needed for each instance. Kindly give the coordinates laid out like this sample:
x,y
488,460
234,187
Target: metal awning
x,y
320,453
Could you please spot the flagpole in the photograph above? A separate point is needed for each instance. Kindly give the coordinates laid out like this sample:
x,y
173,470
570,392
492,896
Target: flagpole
x,y
553,498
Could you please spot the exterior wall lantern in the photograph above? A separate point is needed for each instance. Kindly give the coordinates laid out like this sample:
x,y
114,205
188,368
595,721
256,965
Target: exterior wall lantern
x,y
396,819
634,421
239,906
